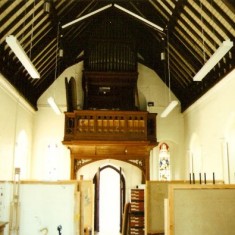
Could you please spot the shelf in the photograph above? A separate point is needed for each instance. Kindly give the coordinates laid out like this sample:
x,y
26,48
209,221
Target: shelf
x,y
136,221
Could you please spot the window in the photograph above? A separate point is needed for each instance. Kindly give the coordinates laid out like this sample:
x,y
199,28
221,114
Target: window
x,y
164,162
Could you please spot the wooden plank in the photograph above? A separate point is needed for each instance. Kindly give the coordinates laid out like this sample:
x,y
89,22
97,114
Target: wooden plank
x,y
201,209
110,150
156,192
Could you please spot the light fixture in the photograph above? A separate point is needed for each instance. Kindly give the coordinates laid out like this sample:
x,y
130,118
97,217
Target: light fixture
x,y
53,105
214,59
15,46
86,16
60,45
172,103
61,53
140,18
47,6
169,108
160,29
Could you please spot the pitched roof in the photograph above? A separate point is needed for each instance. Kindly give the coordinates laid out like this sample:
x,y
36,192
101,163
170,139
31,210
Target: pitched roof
x,y
187,31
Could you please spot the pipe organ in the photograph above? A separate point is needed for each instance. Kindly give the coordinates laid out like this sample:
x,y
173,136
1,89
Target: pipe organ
x,y
110,124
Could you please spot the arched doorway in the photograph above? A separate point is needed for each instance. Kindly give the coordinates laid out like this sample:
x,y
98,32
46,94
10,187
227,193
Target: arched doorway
x,y
109,199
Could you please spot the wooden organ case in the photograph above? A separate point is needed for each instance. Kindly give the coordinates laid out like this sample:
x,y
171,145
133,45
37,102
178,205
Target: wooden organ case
x,y
110,126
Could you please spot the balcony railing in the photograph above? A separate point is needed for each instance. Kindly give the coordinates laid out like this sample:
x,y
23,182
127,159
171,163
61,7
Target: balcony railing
x,y
110,125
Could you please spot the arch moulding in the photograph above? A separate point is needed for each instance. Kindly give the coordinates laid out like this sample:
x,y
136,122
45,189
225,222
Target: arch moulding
x,y
133,152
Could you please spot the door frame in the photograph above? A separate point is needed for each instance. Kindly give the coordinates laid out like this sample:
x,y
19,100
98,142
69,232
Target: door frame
x,y
96,181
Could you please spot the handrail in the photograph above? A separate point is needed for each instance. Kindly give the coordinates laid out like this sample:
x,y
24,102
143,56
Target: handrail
x,y
106,125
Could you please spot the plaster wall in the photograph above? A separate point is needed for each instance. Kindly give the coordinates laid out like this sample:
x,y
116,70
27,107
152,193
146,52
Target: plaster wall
x,y
209,132
16,117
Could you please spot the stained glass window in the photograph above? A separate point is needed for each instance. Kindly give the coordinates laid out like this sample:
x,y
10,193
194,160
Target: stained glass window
x,y
164,162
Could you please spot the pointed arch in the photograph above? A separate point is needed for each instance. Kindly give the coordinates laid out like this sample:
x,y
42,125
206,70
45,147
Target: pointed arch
x,y
122,190
71,94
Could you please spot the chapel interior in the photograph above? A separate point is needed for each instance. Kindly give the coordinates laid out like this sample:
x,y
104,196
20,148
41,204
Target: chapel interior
x,y
117,117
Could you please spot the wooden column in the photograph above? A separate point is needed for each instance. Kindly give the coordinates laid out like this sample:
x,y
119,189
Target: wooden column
x,y
72,168
147,173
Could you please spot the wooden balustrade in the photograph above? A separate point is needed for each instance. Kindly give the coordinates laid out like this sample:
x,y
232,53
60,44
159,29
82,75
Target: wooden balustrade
x,y
109,125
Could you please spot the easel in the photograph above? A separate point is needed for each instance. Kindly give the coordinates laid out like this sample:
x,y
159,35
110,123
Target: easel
x,y
15,204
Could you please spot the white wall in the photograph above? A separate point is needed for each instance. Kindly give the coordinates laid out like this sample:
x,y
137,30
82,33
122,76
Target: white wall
x,y
209,132
16,117
51,159
170,129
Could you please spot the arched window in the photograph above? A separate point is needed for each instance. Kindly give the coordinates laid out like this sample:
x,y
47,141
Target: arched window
x,y
164,162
